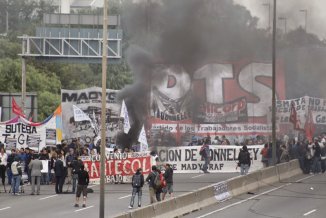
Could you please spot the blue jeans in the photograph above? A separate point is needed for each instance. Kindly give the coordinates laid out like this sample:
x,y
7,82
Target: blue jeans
x,y
316,168
15,184
45,179
205,166
244,168
9,174
136,190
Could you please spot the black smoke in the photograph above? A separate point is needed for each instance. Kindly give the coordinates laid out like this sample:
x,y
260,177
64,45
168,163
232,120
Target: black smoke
x,y
189,33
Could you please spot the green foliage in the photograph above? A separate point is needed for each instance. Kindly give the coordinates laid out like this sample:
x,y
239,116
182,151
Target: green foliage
x,y
9,49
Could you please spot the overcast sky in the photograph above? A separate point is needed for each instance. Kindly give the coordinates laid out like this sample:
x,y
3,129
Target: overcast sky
x,y
316,16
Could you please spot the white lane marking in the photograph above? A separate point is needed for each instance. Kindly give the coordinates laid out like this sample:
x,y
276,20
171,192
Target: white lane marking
x,y
51,196
124,197
84,208
197,176
242,201
5,208
310,212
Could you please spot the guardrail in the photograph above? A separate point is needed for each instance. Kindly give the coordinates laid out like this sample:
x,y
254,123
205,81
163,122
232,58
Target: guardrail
x,y
216,193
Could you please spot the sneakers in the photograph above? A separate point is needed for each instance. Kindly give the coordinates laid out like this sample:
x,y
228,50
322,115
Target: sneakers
x,y
76,205
84,205
139,205
130,207
17,194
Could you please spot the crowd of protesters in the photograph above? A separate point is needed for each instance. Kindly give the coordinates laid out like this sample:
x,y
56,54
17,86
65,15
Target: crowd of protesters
x,y
24,166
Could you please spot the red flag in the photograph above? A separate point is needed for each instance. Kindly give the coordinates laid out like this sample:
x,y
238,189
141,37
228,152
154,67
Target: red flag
x,y
294,117
16,109
309,126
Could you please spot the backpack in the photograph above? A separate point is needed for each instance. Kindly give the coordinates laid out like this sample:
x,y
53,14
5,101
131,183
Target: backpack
x,y
244,157
157,181
136,182
264,152
163,181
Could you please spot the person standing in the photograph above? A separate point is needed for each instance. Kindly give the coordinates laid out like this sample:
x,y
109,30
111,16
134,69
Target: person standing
x,y
3,165
168,176
59,174
35,167
10,160
16,176
83,180
204,152
150,179
159,190
316,167
76,167
244,160
137,183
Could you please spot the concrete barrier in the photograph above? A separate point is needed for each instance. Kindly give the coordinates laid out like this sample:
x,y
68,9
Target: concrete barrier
x,y
244,184
268,176
288,169
205,196
166,208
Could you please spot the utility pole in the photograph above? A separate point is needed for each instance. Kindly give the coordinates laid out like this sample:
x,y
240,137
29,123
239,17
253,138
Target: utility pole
x,y
103,109
273,87
23,77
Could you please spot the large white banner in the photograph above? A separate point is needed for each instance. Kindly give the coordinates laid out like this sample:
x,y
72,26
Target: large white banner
x,y
20,134
186,159
302,107
89,101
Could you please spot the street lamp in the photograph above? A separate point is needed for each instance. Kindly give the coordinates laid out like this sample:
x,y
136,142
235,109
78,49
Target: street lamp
x,y
305,11
268,5
284,19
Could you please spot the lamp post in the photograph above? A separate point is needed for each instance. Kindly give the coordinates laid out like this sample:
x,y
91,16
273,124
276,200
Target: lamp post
x,y
284,19
273,86
305,11
268,5
103,108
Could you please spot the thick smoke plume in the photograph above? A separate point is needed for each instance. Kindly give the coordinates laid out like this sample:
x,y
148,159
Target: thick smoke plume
x,y
189,33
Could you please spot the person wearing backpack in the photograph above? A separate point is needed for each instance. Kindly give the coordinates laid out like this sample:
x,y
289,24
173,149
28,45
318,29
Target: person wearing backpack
x,y
160,185
137,183
244,160
16,176
152,180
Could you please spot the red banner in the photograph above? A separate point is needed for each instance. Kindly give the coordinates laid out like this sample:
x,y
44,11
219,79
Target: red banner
x,y
123,167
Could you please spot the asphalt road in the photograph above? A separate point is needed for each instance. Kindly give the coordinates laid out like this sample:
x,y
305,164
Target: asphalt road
x,y
117,198
302,196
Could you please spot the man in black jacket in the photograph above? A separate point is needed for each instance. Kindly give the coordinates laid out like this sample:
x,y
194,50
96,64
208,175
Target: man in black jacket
x,y
150,179
83,180
76,165
168,176
59,174
137,183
